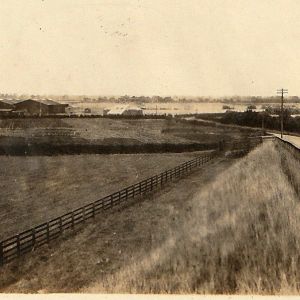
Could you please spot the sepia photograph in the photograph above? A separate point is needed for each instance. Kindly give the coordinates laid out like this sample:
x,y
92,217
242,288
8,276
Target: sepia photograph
x,y
150,147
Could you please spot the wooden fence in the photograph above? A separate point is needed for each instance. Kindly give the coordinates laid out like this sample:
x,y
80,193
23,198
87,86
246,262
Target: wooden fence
x,y
17,245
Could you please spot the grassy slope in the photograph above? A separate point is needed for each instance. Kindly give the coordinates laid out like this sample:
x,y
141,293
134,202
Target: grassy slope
x,y
36,189
241,235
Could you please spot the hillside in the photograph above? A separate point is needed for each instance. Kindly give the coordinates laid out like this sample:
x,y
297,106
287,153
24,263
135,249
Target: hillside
x,y
240,236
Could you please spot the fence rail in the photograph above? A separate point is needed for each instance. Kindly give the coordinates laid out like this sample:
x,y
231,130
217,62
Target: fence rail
x,y
19,244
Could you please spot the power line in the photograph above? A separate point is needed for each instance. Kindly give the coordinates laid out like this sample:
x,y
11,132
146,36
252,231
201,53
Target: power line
x,y
282,92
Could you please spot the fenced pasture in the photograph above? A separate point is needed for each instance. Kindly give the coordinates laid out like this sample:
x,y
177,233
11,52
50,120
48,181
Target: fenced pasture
x,y
37,188
17,245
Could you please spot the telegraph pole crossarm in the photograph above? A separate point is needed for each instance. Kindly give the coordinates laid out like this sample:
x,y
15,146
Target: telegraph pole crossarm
x,y
282,92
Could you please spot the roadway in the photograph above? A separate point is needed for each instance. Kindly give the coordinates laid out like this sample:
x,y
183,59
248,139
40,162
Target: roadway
x,y
295,140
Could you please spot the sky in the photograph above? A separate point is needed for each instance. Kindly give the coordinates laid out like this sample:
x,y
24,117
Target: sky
x,y
155,47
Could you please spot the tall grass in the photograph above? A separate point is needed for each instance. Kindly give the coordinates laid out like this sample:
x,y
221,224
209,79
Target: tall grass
x,y
241,235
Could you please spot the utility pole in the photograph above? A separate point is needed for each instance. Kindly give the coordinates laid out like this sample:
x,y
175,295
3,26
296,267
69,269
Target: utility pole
x,y
282,92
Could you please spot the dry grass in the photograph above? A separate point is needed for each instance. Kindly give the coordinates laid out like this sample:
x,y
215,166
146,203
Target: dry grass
x,y
242,235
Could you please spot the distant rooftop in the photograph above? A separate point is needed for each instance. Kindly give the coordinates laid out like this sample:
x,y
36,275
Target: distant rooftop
x,y
44,101
48,102
10,101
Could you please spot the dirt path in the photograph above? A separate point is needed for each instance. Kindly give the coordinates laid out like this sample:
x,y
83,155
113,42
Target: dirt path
x,y
105,246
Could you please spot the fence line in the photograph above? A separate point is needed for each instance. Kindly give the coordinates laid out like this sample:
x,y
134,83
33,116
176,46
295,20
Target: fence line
x,y
19,244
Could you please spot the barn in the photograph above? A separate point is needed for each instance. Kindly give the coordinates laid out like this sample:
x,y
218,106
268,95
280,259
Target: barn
x,y
41,107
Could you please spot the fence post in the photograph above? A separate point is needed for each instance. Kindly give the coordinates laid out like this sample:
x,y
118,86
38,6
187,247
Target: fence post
x,y
140,188
60,225
18,245
33,236
1,254
93,209
72,219
220,146
47,232
83,214
151,184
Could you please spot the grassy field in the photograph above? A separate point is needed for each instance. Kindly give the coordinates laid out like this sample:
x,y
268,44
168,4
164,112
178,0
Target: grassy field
x,y
36,189
231,227
115,131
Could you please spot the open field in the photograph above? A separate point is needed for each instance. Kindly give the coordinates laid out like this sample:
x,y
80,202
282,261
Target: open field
x,y
37,189
115,131
232,227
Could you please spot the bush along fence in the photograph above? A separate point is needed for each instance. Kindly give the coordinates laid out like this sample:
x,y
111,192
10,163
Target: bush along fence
x,y
17,245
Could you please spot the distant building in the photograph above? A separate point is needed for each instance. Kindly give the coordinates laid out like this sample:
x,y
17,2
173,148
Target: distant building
x,y
41,107
126,111
8,108
7,103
